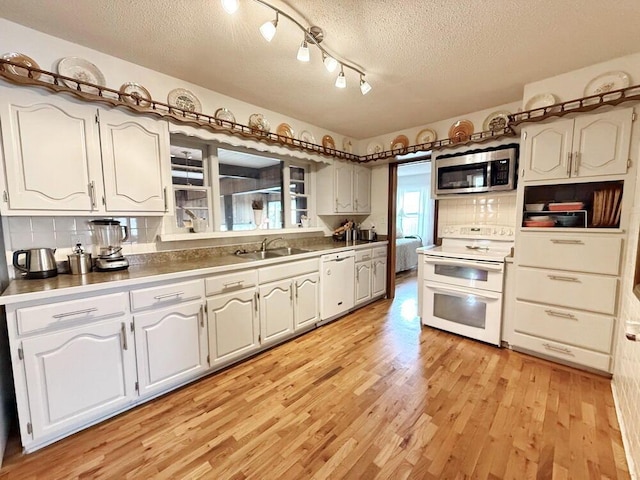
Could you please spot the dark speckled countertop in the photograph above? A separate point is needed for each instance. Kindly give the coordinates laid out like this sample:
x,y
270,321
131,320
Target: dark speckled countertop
x,y
158,267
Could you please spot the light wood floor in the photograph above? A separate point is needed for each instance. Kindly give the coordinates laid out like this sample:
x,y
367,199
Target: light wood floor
x,y
369,396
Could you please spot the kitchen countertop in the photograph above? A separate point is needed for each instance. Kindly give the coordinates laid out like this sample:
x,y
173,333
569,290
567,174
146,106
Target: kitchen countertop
x,y
23,290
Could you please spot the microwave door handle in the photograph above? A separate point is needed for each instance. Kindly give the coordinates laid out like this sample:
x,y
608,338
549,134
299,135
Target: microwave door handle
x,y
465,263
461,291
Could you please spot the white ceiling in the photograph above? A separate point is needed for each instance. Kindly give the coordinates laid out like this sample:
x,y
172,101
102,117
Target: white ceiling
x,y
426,60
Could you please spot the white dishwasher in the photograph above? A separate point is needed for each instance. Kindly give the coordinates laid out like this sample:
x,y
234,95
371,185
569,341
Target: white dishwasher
x,y
336,284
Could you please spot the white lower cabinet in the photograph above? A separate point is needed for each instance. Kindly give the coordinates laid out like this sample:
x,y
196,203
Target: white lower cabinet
x,y
306,305
379,272
363,276
78,375
233,325
171,346
276,311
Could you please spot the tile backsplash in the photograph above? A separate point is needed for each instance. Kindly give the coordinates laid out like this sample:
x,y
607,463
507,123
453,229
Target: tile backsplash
x,y
477,209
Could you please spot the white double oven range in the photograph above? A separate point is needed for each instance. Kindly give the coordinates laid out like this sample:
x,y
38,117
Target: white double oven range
x,y
463,281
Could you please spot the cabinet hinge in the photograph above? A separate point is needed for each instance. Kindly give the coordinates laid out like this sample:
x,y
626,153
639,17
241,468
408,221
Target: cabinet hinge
x,y
208,360
29,428
633,117
522,173
20,354
259,338
137,387
5,197
524,135
205,308
131,327
97,117
629,163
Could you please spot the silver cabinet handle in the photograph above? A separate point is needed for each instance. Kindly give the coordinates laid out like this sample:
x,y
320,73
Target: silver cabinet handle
x,y
566,241
296,285
563,279
366,257
168,295
233,284
166,200
201,313
77,312
554,313
123,336
555,348
92,194
255,299
291,293
576,162
569,163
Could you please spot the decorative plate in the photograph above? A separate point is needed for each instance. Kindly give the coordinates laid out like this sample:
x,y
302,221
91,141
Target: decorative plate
x,y
606,83
426,135
225,114
285,130
541,100
184,99
328,142
400,142
83,71
259,123
374,147
460,131
136,94
307,136
496,121
22,60
347,145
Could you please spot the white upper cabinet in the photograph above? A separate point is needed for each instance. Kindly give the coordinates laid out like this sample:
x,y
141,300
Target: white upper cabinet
x,y
344,188
62,157
134,152
589,146
51,153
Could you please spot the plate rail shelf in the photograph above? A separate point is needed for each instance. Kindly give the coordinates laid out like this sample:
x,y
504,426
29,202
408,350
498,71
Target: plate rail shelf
x,y
83,90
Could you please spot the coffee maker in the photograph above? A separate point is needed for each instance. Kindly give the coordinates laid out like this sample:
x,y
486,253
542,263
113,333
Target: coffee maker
x,y
108,236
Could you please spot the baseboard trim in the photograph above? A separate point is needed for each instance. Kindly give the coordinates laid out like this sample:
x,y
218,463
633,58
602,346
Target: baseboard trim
x,y
623,432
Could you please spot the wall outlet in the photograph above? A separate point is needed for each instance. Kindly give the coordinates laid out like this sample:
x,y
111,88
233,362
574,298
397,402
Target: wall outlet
x,y
76,239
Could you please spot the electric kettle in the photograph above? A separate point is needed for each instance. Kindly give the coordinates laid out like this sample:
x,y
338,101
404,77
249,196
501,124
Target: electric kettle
x,y
36,262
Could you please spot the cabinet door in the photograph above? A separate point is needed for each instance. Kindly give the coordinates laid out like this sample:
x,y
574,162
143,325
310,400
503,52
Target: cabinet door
x,y
233,325
363,282
379,278
78,375
343,186
601,143
51,152
134,153
362,189
307,300
546,150
171,346
276,311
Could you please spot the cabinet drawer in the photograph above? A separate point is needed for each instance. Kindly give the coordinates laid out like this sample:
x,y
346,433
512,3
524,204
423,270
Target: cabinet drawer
x,y
166,295
288,270
364,255
74,312
566,252
380,252
583,291
562,352
588,330
231,282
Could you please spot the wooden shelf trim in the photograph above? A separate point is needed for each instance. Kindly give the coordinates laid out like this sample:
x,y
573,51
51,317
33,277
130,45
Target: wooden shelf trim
x,y
579,105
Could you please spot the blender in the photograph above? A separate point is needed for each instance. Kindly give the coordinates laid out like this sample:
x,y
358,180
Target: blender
x,y
108,236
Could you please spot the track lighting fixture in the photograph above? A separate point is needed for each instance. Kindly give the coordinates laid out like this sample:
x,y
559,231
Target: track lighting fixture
x,y
341,81
230,6
303,52
268,29
364,85
313,35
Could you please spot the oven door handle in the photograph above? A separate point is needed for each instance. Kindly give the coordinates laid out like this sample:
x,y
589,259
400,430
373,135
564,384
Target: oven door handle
x,y
461,291
490,267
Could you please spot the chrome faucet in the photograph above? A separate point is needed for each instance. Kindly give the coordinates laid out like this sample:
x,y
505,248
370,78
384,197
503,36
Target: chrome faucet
x,y
265,243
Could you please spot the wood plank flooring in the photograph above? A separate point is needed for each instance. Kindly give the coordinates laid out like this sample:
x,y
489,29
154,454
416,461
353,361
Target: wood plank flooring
x,y
370,396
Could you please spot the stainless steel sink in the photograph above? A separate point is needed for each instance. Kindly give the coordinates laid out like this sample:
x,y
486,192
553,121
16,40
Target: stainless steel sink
x,y
272,253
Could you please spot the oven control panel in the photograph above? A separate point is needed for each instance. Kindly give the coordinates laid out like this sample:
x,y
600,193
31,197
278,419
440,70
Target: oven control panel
x,y
479,231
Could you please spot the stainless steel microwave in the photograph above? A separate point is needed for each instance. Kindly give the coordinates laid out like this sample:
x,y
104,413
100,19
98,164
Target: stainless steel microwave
x,y
477,171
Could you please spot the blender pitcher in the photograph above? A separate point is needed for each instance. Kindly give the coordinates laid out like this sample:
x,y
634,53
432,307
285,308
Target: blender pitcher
x,y
108,236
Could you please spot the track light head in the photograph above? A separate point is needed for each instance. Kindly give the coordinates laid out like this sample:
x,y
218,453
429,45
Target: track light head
x,y
330,63
341,81
365,87
268,29
303,52
230,6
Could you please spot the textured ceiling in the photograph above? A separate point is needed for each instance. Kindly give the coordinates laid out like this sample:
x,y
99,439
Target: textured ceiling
x,y
426,60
